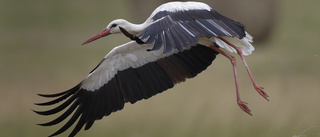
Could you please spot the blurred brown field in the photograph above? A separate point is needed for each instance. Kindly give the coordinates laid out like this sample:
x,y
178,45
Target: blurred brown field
x,y
40,52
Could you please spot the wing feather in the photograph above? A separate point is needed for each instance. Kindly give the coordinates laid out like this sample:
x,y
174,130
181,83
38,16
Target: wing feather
x,y
194,23
158,72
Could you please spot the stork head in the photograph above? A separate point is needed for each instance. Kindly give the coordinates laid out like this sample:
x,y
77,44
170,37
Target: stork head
x,y
116,24
112,28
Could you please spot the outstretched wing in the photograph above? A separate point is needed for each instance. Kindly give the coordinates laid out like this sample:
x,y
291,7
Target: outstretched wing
x,y
125,75
179,29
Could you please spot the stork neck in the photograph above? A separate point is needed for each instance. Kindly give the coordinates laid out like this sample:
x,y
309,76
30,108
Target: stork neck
x,y
135,28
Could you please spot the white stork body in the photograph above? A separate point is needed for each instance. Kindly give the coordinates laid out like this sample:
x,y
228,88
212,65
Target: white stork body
x,y
178,41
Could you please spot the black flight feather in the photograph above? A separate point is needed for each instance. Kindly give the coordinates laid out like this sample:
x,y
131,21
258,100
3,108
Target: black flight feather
x,y
129,85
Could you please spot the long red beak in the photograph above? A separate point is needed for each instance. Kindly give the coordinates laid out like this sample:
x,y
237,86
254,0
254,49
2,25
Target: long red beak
x,y
99,35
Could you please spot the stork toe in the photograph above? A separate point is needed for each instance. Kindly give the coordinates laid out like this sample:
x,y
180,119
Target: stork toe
x,y
261,92
243,105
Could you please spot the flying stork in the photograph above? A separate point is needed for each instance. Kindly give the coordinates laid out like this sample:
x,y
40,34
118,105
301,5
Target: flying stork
x,y
178,41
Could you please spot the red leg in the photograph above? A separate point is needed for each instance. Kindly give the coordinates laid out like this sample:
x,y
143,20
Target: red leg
x,y
242,104
256,86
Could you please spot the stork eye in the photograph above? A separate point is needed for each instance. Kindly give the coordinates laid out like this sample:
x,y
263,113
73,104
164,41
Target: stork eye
x,y
114,25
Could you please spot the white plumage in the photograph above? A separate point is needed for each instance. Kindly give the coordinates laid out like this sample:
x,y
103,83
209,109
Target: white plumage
x,y
244,44
128,55
180,6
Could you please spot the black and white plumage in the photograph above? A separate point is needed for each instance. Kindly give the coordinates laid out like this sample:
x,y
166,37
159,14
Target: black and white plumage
x,y
176,25
178,41
127,74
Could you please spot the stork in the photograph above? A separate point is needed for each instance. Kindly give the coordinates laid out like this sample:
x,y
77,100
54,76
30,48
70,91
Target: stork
x,y
178,41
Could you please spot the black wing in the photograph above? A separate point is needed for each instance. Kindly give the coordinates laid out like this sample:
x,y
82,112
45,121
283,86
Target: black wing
x,y
180,29
129,85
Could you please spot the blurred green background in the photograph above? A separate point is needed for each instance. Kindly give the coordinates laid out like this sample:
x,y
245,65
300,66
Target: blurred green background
x,y
40,52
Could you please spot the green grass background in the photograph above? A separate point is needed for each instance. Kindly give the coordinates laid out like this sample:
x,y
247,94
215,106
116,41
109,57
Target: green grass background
x,y
40,52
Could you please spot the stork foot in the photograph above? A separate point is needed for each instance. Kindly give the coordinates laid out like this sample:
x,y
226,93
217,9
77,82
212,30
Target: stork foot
x,y
243,105
261,92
